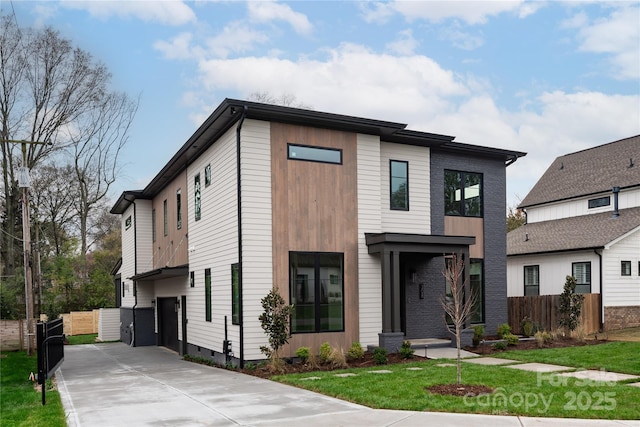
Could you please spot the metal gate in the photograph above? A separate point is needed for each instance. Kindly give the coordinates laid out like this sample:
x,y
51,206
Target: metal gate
x,y
50,341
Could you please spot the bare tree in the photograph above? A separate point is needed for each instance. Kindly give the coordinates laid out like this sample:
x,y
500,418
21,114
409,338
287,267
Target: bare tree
x,y
457,306
286,99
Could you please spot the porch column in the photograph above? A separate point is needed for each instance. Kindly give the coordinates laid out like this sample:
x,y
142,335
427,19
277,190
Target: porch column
x,y
397,327
386,292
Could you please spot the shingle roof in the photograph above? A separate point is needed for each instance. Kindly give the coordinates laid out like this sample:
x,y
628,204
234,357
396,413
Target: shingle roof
x,y
580,232
587,172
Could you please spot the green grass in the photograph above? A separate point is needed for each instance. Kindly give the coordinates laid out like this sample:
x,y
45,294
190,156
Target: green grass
x,y
613,357
515,392
82,339
20,403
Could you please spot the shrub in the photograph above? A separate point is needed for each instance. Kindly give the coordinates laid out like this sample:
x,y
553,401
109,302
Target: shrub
x,y
542,338
570,305
250,366
275,322
511,339
406,351
356,351
325,352
527,327
503,330
303,353
337,359
478,333
380,356
500,345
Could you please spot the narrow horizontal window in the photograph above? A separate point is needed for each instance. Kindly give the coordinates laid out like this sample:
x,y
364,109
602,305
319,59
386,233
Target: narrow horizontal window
x,y
314,154
599,202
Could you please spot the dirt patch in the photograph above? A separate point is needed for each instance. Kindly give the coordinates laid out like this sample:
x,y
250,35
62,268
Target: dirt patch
x,y
460,390
487,348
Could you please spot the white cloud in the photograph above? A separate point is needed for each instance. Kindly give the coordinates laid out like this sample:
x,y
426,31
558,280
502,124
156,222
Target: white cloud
x,y
236,37
169,12
471,12
404,45
267,11
178,48
461,39
376,12
619,36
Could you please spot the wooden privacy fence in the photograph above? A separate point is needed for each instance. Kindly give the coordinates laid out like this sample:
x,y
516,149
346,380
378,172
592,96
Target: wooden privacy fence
x,y
13,334
81,322
543,311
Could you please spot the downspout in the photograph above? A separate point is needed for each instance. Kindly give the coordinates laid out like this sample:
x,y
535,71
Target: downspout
x,y
601,311
135,271
239,198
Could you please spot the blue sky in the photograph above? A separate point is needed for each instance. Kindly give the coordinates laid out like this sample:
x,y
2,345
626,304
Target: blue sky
x,y
544,77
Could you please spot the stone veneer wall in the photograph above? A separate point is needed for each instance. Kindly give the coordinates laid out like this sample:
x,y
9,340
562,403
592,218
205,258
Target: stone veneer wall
x,y
621,317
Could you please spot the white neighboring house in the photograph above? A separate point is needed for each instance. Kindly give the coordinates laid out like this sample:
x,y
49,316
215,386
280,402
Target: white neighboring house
x,y
583,219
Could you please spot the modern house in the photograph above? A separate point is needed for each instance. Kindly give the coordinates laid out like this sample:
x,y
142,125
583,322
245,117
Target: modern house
x,y
583,220
350,218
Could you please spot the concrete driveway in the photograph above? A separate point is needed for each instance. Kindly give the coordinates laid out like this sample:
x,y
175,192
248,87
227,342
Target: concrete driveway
x,y
116,385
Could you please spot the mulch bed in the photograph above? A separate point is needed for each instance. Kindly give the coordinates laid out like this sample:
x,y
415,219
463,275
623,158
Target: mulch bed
x,y
486,349
460,390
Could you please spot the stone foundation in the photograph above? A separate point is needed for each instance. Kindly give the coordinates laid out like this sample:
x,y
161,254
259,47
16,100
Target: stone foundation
x,y
392,341
621,317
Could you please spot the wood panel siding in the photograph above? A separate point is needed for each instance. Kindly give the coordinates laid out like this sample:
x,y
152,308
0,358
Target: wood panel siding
x,y
170,250
465,226
315,209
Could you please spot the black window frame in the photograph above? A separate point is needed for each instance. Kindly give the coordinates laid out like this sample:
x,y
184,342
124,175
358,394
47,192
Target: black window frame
x,y
480,299
179,208
235,294
207,295
310,159
197,197
192,279
528,285
623,271
207,175
599,202
462,211
153,226
391,179
317,301
573,273
165,209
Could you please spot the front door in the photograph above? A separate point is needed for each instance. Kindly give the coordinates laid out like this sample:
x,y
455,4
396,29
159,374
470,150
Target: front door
x,y
168,323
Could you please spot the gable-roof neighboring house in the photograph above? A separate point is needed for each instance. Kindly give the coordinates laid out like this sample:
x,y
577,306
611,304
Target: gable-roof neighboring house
x,y
348,217
583,219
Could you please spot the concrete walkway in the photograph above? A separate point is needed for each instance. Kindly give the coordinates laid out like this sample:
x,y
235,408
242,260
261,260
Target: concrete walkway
x,y
116,385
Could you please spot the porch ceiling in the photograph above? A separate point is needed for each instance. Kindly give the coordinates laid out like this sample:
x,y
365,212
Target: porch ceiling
x,y
418,243
161,273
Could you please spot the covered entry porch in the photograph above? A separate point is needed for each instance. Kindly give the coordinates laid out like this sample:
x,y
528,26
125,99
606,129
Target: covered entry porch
x,y
412,283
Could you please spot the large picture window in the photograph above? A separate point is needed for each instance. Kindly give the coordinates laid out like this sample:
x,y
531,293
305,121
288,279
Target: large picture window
x,y
235,294
399,177
531,280
582,272
317,291
462,193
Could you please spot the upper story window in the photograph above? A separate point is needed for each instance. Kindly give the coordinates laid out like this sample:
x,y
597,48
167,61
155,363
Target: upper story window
x,y
462,193
531,280
582,272
235,294
166,217
197,197
314,154
599,202
179,208
207,294
153,225
399,177
625,268
207,175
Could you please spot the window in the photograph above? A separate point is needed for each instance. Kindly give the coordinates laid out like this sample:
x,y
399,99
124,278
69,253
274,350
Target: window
x,y
316,289
179,208
582,272
462,193
153,225
599,202
192,279
625,268
196,196
166,217
476,282
235,294
314,154
207,294
207,175
127,223
531,280
399,176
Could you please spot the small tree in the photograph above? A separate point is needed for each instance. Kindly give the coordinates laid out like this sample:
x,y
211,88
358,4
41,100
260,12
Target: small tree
x,y
570,305
457,306
275,322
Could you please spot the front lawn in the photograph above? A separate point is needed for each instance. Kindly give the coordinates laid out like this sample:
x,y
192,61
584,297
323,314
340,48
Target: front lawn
x,y
515,392
21,404
82,339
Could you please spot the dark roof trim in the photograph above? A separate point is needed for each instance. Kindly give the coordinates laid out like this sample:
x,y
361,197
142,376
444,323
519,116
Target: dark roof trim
x,y
125,200
596,193
161,273
377,242
116,267
557,251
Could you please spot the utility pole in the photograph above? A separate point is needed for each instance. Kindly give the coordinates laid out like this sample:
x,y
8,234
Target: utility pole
x,y
24,183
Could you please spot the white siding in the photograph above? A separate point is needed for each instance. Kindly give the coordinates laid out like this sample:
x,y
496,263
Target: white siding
x,y
128,258
257,249
109,324
580,206
369,221
622,290
554,269
171,288
213,243
418,218
144,290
